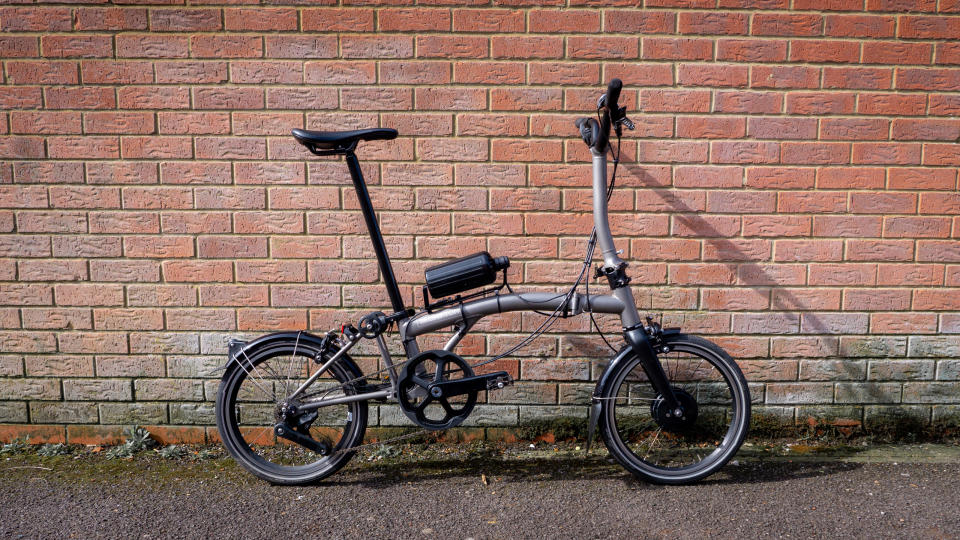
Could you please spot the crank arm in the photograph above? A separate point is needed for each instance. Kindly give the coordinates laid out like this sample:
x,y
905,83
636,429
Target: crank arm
x,y
466,385
284,431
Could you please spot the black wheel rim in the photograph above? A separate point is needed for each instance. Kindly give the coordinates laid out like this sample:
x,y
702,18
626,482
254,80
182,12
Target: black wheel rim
x,y
668,450
251,409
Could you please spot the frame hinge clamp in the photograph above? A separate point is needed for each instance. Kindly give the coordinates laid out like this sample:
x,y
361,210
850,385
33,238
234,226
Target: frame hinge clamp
x,y
617,276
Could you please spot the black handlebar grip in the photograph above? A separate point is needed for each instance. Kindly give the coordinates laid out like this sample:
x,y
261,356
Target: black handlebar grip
x,y
613,94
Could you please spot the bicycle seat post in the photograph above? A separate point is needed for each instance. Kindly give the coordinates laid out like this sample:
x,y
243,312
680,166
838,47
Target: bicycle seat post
x,y
366,207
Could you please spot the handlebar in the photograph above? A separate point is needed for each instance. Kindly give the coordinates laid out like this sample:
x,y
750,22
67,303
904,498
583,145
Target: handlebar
x,y
613,95
611,110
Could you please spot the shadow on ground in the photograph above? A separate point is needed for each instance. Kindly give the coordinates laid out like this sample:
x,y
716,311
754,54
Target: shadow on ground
x,y
567,468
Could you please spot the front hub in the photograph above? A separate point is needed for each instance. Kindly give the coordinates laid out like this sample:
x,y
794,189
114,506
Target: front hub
x,y
675,420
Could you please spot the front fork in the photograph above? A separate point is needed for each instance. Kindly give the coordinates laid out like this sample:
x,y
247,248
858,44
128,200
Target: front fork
x,y
641,342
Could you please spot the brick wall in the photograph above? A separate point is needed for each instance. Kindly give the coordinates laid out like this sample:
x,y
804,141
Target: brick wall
x,y
790,191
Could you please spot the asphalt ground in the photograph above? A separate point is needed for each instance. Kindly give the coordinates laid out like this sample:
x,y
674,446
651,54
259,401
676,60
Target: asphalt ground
x,y
471,491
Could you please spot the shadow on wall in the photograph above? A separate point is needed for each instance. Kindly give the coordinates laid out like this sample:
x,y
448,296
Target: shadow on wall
x,y
760,279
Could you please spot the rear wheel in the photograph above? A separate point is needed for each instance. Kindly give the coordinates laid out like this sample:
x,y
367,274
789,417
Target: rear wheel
x,y
643,435
250,404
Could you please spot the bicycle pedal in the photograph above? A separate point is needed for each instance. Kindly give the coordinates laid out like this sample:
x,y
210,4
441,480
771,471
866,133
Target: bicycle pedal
x,y
498,383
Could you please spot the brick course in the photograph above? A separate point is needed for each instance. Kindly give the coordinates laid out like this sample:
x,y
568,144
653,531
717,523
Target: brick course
x,y
791,191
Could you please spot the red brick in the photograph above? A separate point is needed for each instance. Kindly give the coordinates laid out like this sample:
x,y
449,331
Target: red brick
x,y
770,24
168,97
152,46
489,72
673,151
815,153
309,46
639,22
851,178
820,103
941,154
785,77
35,19
676,49
887,153
892,104
606,47
260,19
843,274
928,79
118,122
185,20
847,226
675,100
854,129
441,46
526,150
918,178
157,147
527,47
916,227
337,20
488,20
226,46
42,72
812,202
54,122
859,26
776,226
712,75
80,97
751,50
19,46
858,78
729,101
112,18
948,53
21,97
926,129
879,250
929,27
198,271
896,52
124,222
231,247
548,21
496,124
713,23
88,147
744,152
414,20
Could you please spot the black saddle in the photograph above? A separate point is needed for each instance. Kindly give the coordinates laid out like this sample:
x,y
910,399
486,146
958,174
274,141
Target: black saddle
x,y
340,141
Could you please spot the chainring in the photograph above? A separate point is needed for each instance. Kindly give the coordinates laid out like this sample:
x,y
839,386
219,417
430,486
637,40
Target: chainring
x,y
427,411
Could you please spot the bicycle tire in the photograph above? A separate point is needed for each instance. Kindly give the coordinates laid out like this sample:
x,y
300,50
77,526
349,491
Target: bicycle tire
x,y
623,422
256,447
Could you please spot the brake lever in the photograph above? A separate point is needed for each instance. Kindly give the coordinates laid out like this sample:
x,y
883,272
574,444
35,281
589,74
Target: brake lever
x,y
628,123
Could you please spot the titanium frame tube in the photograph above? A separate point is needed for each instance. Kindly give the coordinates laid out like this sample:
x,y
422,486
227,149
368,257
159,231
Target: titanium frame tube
x,y
601,221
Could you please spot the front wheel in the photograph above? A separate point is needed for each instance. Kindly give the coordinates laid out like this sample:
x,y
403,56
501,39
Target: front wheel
x,y
642,435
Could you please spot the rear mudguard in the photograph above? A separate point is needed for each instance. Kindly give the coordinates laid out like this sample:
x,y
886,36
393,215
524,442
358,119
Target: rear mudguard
x,y
238,352
638,344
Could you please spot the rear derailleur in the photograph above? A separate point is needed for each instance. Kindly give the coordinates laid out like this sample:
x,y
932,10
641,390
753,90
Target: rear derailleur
x,y
294,425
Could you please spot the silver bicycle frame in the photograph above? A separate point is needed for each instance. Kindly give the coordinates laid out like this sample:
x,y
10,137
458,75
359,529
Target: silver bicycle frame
x,y
463,316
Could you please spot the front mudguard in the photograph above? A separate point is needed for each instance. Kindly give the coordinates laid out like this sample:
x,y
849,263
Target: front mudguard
x,y
239,352
638,344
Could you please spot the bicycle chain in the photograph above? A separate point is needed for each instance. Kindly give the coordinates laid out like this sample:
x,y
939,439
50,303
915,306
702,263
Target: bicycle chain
x,y
381,443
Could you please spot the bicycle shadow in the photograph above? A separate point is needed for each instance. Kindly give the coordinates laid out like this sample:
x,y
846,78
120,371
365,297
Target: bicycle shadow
x,y
749,274
571,468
